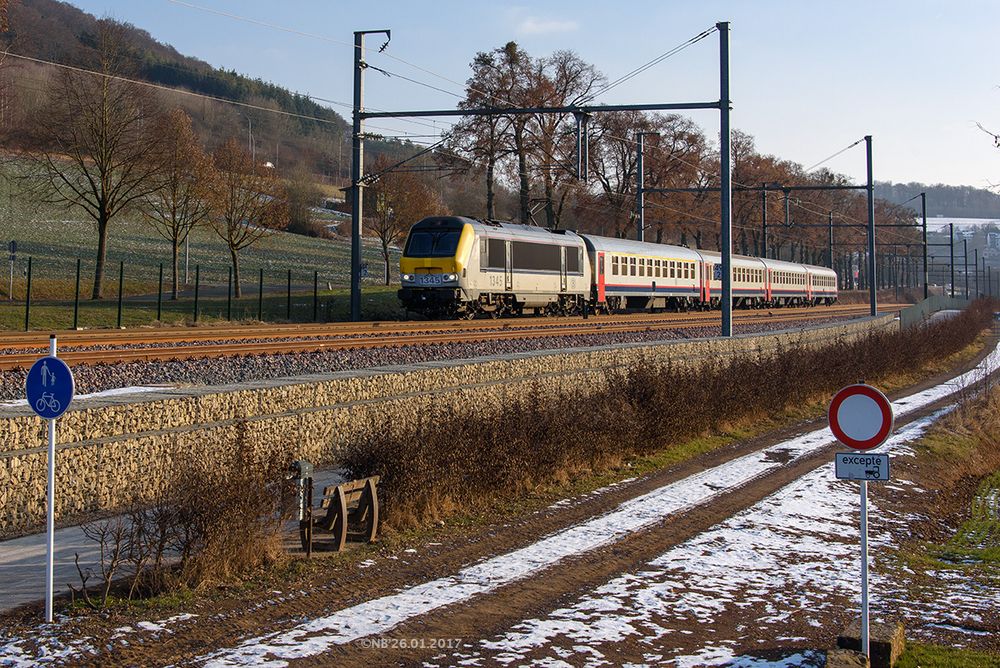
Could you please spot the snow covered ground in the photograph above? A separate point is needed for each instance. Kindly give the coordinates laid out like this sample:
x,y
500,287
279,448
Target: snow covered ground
x,y
794,554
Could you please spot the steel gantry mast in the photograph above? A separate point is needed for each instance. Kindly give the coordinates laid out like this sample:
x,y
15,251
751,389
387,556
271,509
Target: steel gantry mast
x,y
582,112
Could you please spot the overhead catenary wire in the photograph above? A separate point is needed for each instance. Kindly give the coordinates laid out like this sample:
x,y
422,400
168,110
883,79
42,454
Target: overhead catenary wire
x,y
831,157
613,84
656,61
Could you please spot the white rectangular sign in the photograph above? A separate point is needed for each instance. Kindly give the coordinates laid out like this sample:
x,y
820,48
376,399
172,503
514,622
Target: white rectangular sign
x,y
862,465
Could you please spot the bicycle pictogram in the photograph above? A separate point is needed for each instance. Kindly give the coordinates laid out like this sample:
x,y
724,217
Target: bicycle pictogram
x,y
47,402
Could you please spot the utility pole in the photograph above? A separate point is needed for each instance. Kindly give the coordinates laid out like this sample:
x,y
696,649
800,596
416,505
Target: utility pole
x,y
965,264
726,180
640,192
829,240
951,252
976,265
763,218
871,229
923,214
357,167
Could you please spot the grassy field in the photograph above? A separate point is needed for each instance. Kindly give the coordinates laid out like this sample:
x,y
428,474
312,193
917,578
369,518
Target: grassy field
x,y
377,303
919,655
55,237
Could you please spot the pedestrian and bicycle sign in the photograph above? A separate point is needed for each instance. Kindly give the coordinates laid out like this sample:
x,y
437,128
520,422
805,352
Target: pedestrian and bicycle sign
x,y
49,387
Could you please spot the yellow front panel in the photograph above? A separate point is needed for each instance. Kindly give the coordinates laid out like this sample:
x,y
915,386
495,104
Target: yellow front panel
x,y
441,265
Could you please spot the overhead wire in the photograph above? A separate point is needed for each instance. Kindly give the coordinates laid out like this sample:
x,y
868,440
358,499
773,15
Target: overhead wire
x,y
656,61
608,87
179,91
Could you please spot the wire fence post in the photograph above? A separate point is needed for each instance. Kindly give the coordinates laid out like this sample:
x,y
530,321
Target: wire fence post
x,y
315,295
121,285
76,298
260,297
159,295
229,295
197,286
27,298
288,302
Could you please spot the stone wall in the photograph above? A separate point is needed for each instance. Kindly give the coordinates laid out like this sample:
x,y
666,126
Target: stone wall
x,y
113,448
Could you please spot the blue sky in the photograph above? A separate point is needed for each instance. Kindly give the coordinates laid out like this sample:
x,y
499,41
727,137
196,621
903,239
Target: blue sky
x,y
808,78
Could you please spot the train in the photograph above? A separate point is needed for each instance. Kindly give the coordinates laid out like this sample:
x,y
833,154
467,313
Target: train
x,y
460,267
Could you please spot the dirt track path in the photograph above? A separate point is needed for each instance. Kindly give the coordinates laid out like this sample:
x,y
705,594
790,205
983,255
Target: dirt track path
x,y
475,620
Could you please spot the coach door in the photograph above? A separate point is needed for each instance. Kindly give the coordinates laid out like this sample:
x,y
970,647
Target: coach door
x,y
600,277
767,284
809,286
508,271
562,268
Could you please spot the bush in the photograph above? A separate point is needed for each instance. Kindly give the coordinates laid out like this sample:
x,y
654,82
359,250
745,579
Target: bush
x,y
216,521
455,461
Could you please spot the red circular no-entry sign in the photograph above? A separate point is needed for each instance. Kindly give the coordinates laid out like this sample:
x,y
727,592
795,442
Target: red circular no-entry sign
x,y
860,417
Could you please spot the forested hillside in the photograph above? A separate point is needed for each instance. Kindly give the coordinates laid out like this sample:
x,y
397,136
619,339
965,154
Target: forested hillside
x,y
58,32
948,201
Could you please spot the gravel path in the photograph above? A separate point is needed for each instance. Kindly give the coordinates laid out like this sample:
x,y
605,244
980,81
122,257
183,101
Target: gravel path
x,y
217,371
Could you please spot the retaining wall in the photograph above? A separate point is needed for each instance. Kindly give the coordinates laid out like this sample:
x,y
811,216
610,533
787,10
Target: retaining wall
x,y
111,449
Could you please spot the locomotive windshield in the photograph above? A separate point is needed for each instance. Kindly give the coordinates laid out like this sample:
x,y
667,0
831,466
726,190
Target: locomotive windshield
x,y
438,241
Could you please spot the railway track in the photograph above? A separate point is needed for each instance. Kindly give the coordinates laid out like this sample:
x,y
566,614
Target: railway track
x,y
180,344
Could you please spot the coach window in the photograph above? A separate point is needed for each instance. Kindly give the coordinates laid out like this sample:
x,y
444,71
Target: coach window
x,y
614,265
642,266
631,264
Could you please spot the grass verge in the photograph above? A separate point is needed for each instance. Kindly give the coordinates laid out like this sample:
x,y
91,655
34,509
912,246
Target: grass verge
x,y
920,655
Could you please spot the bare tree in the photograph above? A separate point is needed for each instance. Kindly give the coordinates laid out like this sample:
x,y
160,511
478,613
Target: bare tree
x,y
398,199
247,202
180,201
565,79
94,149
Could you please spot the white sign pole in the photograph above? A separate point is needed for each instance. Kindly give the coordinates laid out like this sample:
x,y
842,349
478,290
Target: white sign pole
x,y
50,519
864,567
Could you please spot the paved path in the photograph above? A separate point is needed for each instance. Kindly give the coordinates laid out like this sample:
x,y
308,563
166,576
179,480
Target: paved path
x,y
22,560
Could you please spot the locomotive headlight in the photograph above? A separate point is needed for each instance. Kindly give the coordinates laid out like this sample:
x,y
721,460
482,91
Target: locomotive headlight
x,y
451,277
407,277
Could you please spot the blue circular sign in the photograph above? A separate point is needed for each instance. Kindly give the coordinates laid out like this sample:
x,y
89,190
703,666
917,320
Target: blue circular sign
x,y
49,387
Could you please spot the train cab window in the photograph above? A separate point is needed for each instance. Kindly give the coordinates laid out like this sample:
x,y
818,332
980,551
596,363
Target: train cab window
x,y
433,242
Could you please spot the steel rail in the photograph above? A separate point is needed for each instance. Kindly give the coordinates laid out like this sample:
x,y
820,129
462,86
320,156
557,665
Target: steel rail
x,y
186,352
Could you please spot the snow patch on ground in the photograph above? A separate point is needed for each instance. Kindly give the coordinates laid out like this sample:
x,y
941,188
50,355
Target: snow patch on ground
x,y
98,395
794,552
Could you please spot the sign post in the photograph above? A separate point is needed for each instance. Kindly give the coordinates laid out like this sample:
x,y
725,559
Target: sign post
x,y
49,388
12,247
861,418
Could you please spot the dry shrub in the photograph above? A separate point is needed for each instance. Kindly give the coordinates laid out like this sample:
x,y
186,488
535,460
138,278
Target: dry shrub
x,y
456,461
217,521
